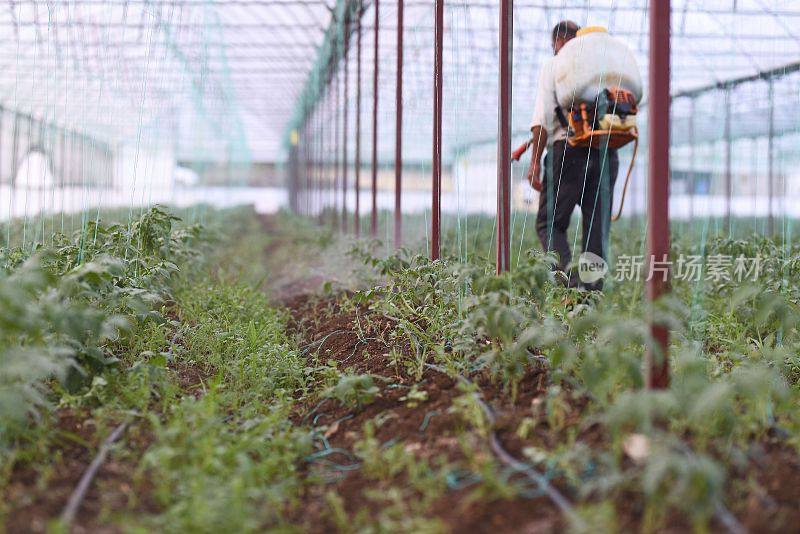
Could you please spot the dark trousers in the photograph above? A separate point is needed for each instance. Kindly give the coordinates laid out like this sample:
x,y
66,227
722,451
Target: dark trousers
x,y
582,177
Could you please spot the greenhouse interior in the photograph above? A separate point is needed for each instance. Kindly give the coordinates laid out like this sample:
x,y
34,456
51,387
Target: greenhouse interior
x,y
400,266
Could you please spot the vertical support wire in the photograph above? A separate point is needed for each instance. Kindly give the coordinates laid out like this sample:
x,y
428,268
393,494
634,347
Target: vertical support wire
x,y
656,365
436,201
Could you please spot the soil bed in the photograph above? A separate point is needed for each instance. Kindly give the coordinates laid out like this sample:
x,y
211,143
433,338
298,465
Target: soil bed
x,y
429,430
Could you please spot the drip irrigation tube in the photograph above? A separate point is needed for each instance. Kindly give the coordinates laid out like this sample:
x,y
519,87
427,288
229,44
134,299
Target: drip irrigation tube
x,y
725,517
79,493
506,458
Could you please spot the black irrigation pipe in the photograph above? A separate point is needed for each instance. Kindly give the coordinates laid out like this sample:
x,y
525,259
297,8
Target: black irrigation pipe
x,y
720,510
321,456
506,458
321,341
79,493
729,520
313,410
363,342
427,419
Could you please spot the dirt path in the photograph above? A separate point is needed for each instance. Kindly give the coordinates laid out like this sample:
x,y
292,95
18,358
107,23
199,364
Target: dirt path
x,y
428,429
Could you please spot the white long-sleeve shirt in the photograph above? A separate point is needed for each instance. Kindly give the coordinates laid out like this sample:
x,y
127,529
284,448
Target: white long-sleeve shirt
x,y
544,109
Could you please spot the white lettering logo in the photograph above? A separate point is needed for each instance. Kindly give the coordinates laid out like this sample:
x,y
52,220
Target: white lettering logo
x,y
591,267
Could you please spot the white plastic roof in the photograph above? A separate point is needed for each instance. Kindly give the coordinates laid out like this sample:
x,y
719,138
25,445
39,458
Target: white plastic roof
x,y
221,78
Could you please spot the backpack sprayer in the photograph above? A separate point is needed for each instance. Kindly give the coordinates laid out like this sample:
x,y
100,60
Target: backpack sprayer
x,y
598,120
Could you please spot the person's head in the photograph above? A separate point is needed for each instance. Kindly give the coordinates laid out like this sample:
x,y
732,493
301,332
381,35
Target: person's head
x,y
562,33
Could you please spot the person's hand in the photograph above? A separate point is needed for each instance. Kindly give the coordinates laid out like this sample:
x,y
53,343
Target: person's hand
x,y
534,174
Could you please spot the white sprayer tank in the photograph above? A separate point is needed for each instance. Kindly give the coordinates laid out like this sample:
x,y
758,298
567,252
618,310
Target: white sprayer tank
x,y
591,62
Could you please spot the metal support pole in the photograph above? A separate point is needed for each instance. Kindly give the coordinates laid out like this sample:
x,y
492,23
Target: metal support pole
x,y
346,121
321,133
314,162
301,154
337,111
728,177
318,144
374,215
309,152
332,151
504,136
300,171
307,156
398,132
357,184
657,368
321,178
770,158
293,175
436,202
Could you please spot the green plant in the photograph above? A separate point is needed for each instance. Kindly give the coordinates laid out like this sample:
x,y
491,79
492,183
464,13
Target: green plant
x,y
354,390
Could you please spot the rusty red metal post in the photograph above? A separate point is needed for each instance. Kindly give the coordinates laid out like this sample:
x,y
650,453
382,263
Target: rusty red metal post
x,y
292,167
313,175
312,162
307,154
307,168
317,158
345,124
322,153
656,362
330,173
322,148
320,158
398,132
504,135
357,184
436,201
337,112
374,215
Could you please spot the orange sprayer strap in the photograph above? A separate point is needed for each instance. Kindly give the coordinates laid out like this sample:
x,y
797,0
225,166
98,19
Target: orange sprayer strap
x,y
616,216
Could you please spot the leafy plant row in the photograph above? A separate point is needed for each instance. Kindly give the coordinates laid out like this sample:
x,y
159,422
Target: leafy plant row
x,y
733,359
64,306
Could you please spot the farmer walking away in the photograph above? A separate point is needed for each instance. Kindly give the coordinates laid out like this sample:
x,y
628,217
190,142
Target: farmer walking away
x,y
585,110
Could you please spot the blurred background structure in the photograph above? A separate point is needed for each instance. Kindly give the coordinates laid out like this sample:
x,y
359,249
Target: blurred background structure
x,y
278,103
